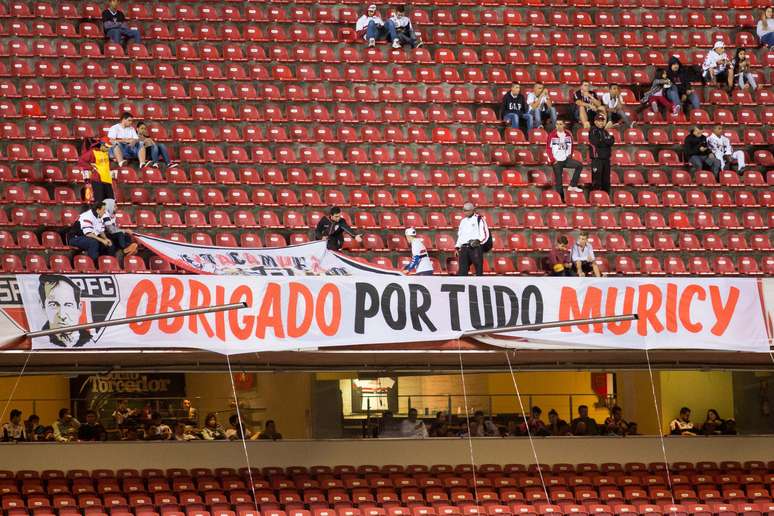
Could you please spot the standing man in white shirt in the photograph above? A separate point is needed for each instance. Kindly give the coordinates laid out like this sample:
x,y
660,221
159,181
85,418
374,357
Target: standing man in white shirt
x,y
471,237
583,256
404,29
413,428
420,261
371,27
721,148
559,151
125,142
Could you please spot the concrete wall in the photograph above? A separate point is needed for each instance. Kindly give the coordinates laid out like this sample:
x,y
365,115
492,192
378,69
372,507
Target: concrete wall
x,y
115,455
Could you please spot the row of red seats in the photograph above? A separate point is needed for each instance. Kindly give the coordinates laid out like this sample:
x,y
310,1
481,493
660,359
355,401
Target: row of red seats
x,y
405,154
234,52
368,177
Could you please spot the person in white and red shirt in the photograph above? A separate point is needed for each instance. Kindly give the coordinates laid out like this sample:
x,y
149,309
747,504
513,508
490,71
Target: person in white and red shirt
x,y
371,27
559,150
420,262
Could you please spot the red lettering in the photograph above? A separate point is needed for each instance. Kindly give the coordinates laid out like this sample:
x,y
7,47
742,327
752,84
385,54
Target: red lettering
x,y
144,290
171,294
671,310
297,291
648,305
684,308
270,313
619,328
329,329
569,308
243,331
723,312
220,317
199,298
225,259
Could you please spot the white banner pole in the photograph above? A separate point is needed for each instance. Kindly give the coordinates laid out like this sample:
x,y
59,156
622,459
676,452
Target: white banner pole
x,y
552,324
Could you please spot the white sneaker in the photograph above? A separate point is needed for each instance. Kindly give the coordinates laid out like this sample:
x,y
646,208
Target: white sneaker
x,y
676,110
371,42
575,189
395,43
122,163
654,106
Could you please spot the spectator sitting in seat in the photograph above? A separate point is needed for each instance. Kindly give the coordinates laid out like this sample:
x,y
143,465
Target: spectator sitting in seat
x,y
388,426
404,30
88,233
612,103
559,150
121,237
190,414
131,434
412,427
556,425
681,93
34,430
657,94
559,263
96,156
65,427
183,432
123,413
440,427
14,430
586,105
212,431
156,429
683,424
713,425
765,28
615,424
115,27
717,67
698,154
472,429
583,256
371,27
236,428
512,429
332,229
270,432
92,429
485,426
721,148
158,151
743,76
583,424
516,110
540,106
535,424
124,141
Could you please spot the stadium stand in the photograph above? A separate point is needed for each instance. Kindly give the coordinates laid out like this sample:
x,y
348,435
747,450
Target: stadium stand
x,y
727,488
275,112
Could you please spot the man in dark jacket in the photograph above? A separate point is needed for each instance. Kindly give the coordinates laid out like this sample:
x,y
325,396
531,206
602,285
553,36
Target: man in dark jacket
x,y
681,92
332,229
697,152
601,144
515,108
115,27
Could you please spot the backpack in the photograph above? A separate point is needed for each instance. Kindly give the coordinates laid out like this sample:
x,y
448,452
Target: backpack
x,y
486,246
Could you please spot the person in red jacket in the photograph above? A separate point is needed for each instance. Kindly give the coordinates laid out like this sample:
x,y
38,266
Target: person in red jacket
x,y
559,150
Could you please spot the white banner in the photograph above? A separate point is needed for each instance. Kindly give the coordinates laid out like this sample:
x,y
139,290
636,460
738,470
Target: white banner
x,y
312,259
315,312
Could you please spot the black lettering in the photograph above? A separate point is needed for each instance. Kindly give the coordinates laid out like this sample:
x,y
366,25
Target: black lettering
x,y
513,316
363,290
398,323
234,255
475,313
526,295
454,309
268,260
419,311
